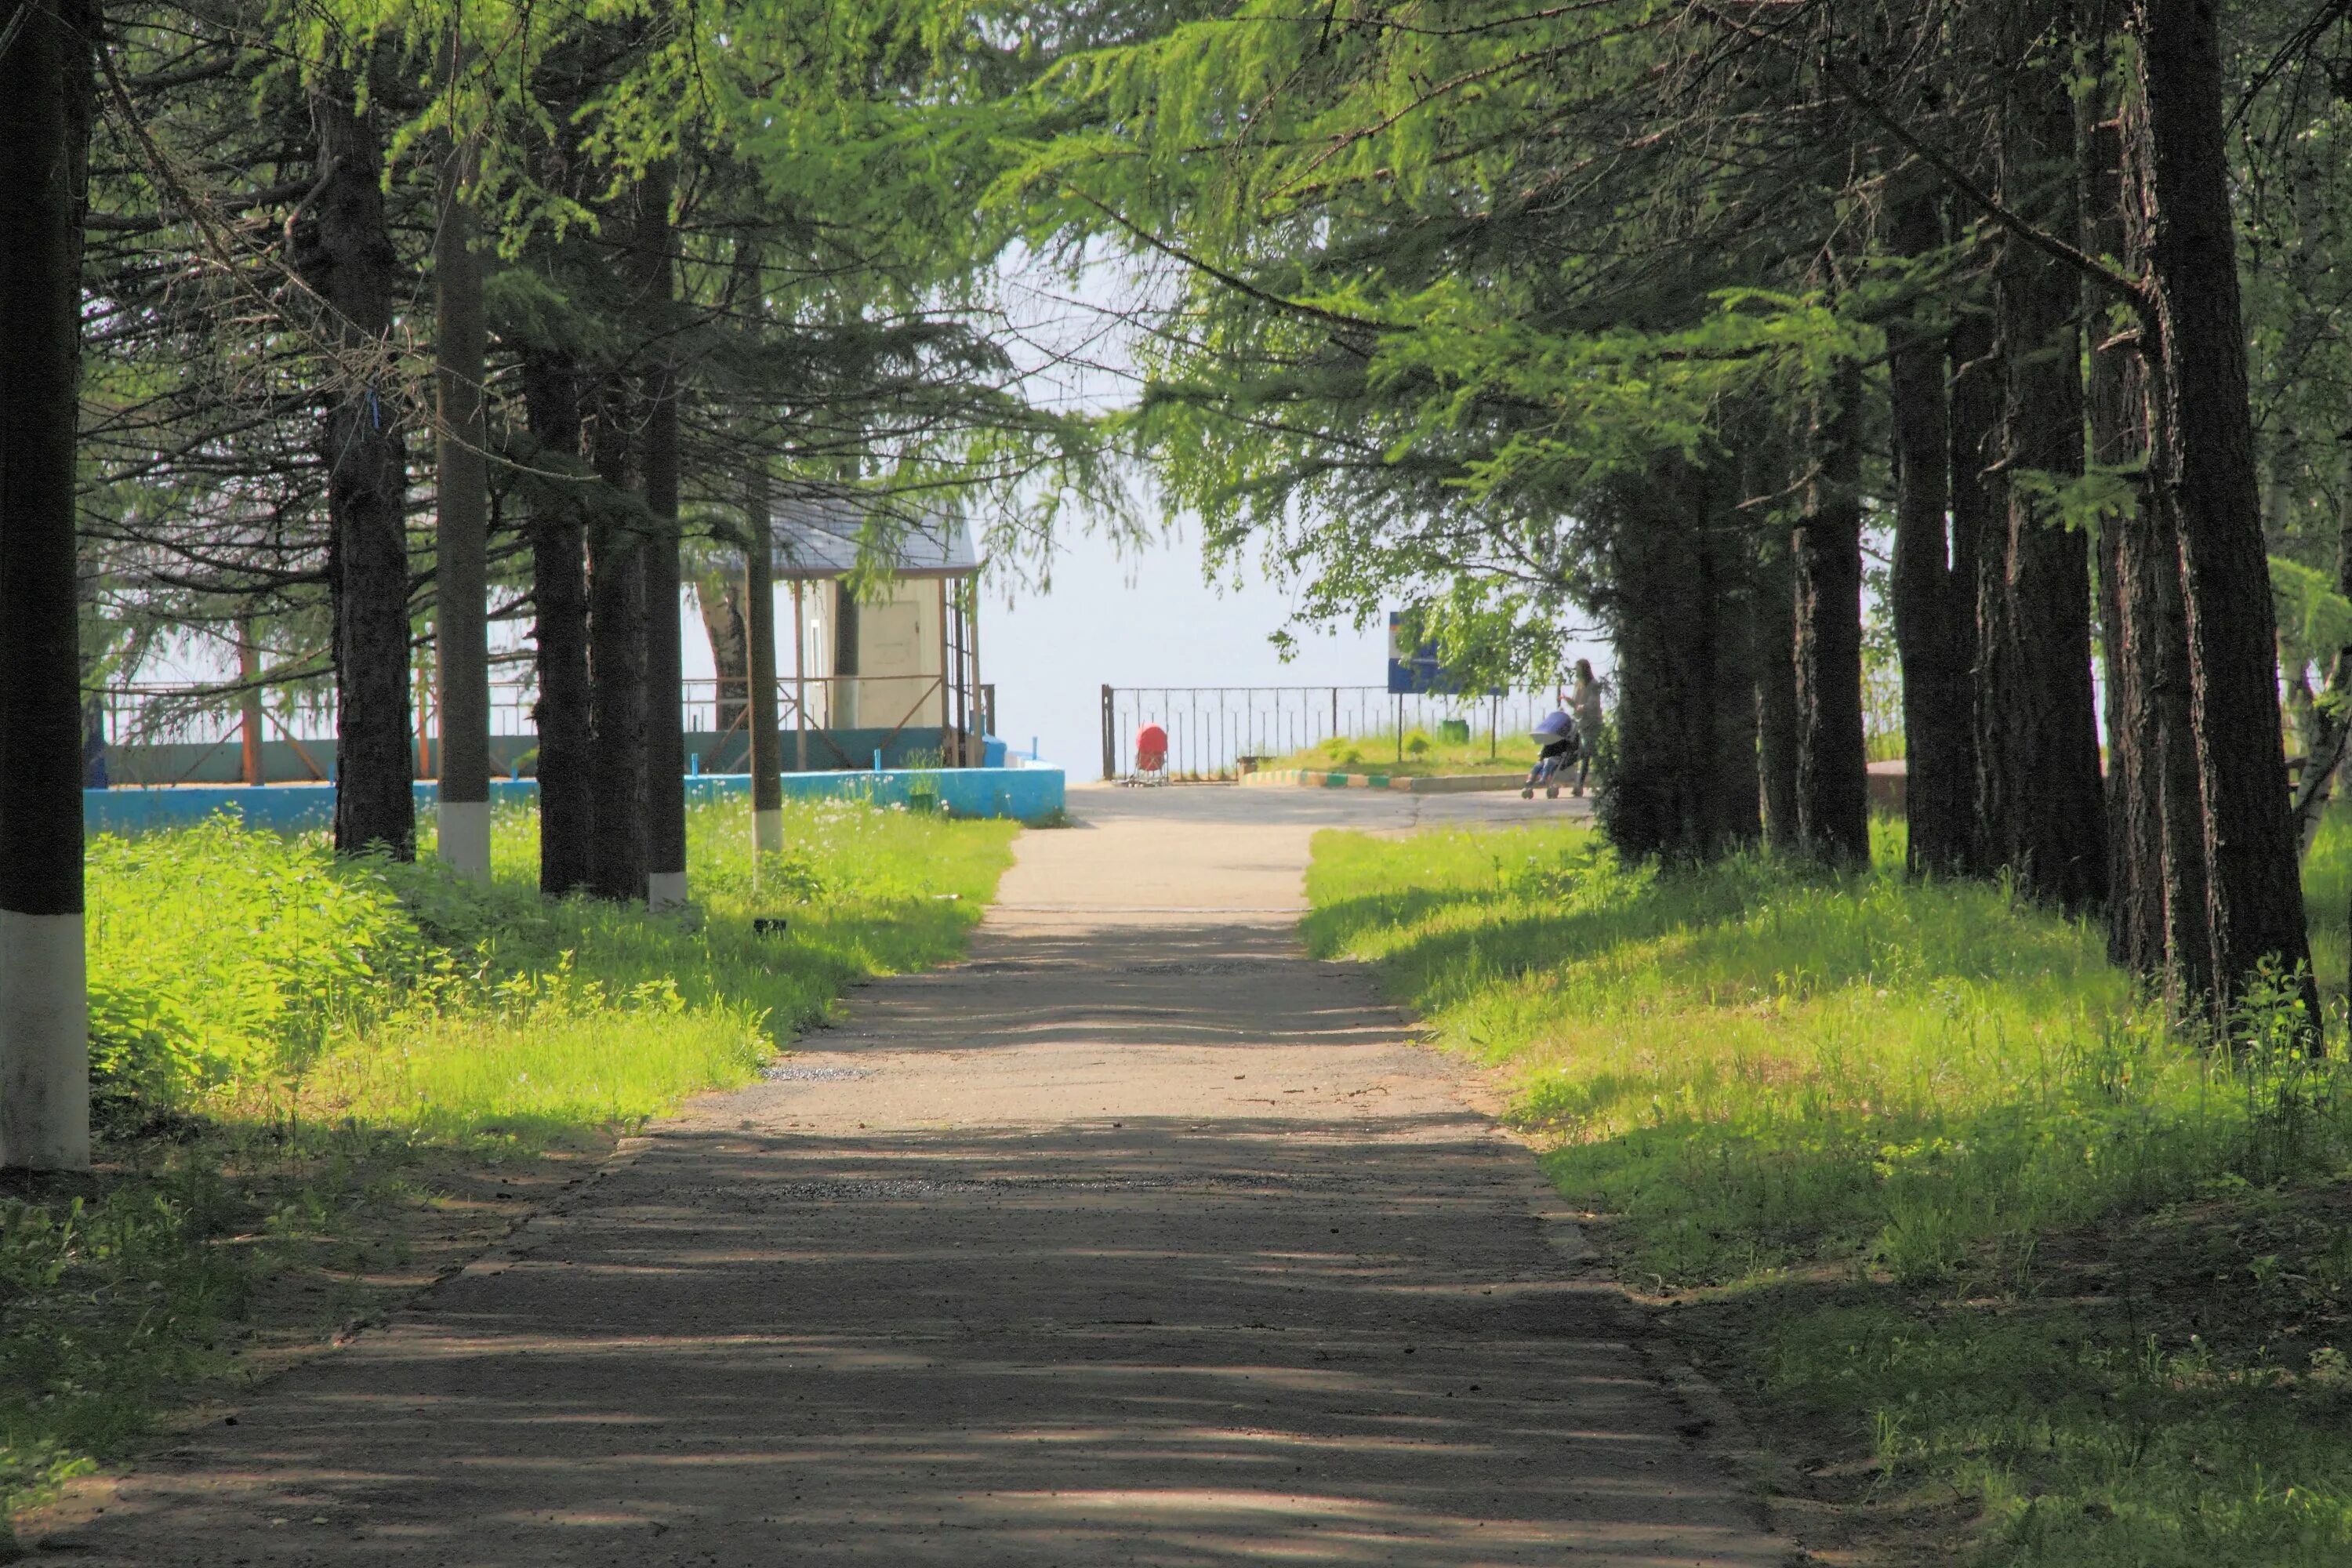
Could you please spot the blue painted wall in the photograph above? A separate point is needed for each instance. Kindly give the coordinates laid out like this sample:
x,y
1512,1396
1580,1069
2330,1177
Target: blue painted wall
x,y
1026,793
223,763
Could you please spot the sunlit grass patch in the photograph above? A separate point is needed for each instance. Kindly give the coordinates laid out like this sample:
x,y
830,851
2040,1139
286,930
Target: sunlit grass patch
x,y
1422,754
1907,1152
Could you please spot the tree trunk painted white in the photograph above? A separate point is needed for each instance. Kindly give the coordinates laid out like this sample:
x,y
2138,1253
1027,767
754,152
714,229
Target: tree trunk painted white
x,y
665,890
45,117
461,522
465,838
44,1044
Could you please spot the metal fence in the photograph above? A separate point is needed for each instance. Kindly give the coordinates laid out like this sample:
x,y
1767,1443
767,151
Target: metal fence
x,y
1211,730
176,730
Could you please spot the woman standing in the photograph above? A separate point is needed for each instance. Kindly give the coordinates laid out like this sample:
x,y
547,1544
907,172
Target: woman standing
x,y
1584,701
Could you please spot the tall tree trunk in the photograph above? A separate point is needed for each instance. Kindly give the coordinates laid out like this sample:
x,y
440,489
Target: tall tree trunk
x,y
2331,723
1973,417
2163,717
563,713
44,119
2039,790
1926,594
1776,693
353,266
2139,643
1833,778
760,600
1684,742
718,595
1729,562
461,532
2202,452
616,655
666,884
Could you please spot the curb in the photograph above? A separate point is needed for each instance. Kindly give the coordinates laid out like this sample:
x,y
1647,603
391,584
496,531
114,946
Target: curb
x,y
1449,783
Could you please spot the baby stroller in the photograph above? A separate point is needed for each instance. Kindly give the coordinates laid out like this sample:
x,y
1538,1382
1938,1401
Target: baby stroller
x,y
1150,756
1555,735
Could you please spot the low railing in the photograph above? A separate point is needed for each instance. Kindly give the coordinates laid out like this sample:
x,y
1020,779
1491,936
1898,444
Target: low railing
x,y
1213,730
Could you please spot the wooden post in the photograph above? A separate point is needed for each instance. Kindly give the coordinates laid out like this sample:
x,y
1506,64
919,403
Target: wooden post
x,y
1109,744
760,617
424,711
800,684
985,720
248,702
947,700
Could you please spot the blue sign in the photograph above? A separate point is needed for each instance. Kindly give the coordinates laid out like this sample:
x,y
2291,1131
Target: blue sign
x,y
1416,670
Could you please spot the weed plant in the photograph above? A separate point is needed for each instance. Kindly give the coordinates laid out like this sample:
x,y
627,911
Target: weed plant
x,y
290,1050
1925,1177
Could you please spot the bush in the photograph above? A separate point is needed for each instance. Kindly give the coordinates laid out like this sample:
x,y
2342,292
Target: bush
x,y
217,953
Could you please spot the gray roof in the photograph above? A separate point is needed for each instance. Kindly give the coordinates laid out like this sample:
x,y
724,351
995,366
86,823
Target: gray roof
x,y
818,537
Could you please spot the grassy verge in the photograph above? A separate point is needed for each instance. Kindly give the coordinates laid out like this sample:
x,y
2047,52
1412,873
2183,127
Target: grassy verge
x,y
1424,755
321,1084
2004,1272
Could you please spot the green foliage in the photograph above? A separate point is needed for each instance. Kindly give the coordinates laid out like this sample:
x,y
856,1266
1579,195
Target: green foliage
x,y
218,955
1871,1128
1448,297
2313,615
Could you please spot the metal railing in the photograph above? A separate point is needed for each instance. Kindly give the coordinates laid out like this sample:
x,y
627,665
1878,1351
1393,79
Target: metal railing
x,y
1212,730
149,715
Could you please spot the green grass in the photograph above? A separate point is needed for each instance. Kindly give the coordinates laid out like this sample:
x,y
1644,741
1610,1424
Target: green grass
x,y
1424,754
300,1060
1925,1184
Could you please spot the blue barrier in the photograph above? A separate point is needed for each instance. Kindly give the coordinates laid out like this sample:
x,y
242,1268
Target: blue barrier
x,y
1025,794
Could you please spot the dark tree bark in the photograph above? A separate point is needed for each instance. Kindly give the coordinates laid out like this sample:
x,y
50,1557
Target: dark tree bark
x,y
1973,418
2202,463
1736,808
2141,641
654,280
2331,723
1833,778
563,713
1684,784
1931,601
718,595
350,263
461,532
2039,792
616,655
45,120
1776,694
2162,716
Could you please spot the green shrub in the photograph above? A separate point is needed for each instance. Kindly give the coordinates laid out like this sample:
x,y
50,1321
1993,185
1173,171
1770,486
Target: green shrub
x,y
217,953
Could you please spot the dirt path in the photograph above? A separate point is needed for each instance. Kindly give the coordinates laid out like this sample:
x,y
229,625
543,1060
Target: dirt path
x,y
1139,1239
